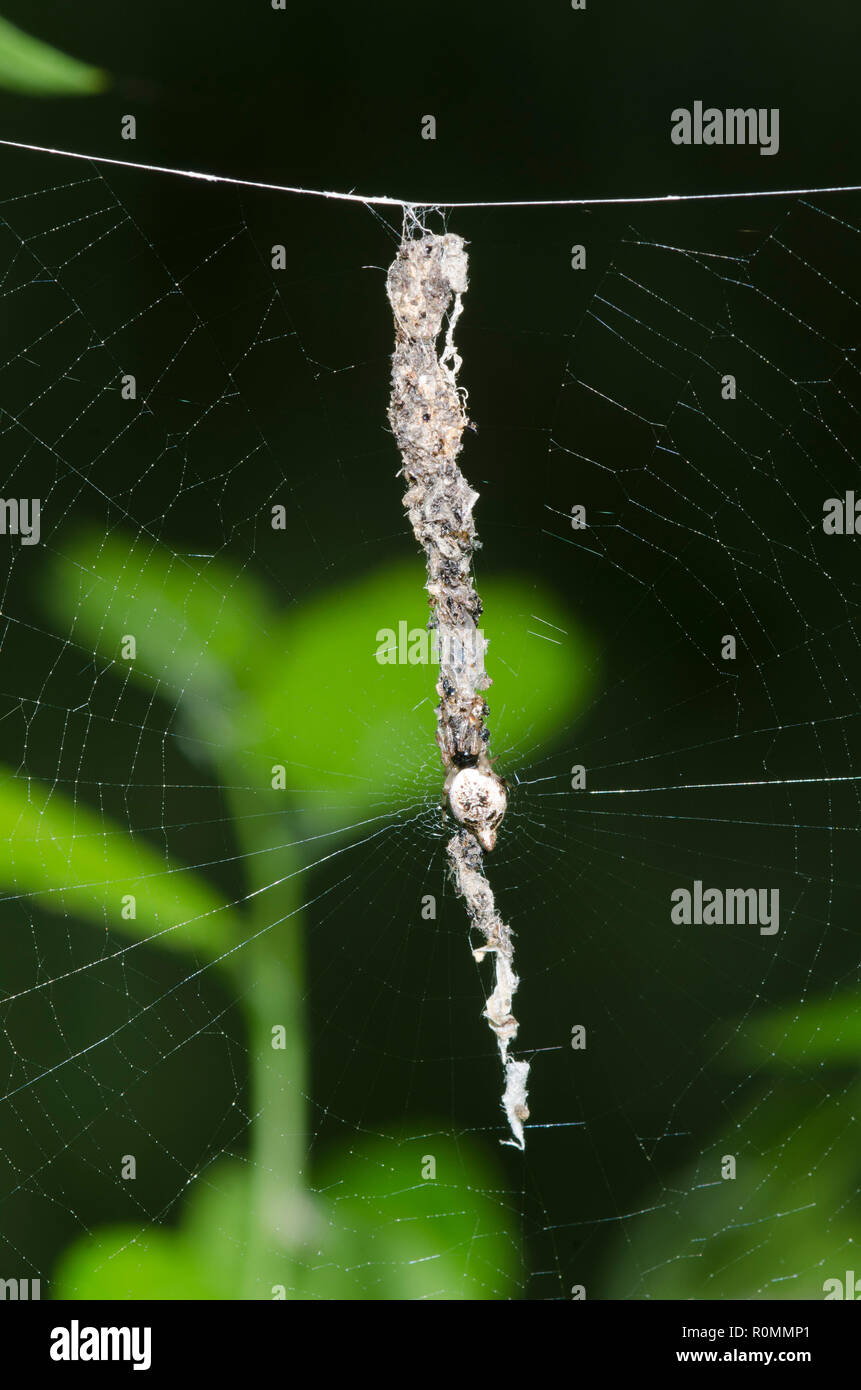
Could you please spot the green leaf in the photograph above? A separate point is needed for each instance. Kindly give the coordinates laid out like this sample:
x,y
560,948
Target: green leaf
x,y
198,628
381,1231
762,1233
784,1223
355,733
31,66
121,1262
304,688
416,1237
68,859
816,1031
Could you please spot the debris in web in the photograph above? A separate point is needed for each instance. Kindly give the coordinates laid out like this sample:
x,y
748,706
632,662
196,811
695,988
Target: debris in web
x,y
427,412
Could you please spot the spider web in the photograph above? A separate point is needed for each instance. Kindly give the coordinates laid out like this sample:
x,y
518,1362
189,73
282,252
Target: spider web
x,y
601,388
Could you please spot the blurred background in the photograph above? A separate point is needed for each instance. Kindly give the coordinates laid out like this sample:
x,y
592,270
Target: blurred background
x,y
302,907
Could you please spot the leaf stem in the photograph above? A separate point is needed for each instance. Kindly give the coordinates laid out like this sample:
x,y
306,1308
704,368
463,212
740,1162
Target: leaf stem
x,y
281,1218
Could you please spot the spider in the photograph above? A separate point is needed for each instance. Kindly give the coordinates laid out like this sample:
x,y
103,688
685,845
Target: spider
x,y
478,799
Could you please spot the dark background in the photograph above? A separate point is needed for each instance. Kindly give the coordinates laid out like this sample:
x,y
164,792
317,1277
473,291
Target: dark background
x,y
703,534
531,102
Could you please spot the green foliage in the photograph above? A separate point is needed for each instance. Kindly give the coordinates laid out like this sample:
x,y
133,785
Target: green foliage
x,y
118,1262
789,1218
30,66
392,1235
777,1230
354,731
257,686
197,626
819,1030
302,688
68,859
